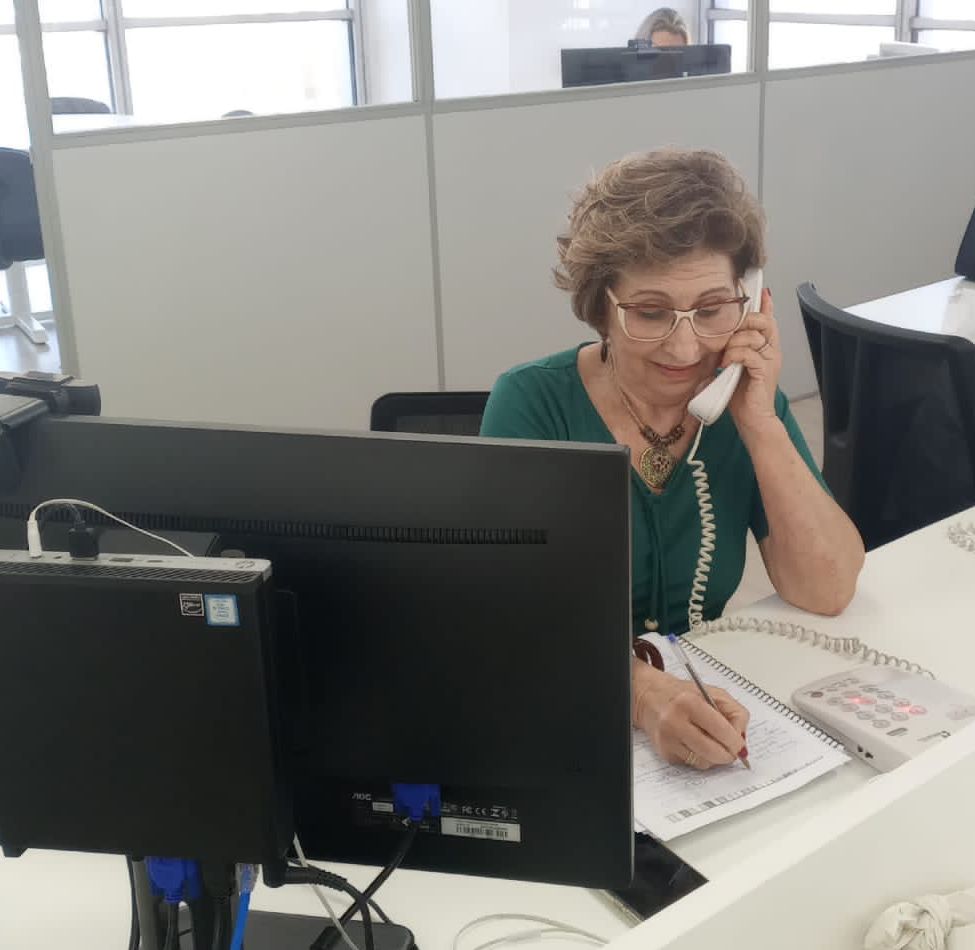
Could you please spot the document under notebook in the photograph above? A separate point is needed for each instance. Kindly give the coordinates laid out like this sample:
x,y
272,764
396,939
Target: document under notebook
x,y
784,750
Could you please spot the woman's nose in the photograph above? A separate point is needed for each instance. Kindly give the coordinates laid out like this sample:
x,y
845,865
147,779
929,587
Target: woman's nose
x,y
682,345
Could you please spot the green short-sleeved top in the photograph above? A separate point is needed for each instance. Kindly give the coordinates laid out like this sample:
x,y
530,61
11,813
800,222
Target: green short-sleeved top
x,y
546,400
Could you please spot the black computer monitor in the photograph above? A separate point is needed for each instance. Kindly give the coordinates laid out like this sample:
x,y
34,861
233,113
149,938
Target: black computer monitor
x,y
453,612
602,65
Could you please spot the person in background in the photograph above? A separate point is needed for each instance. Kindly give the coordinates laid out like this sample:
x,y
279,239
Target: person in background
x,y
664,27
654,259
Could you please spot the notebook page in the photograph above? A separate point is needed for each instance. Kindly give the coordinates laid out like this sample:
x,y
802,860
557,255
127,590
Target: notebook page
x,y
784,753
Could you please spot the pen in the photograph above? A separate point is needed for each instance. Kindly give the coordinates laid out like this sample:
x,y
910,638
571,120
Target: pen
x,y
686,660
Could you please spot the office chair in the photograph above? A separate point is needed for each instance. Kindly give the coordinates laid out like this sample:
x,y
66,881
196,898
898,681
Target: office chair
x,y
20,235
898,419
72,105
965,262
456,413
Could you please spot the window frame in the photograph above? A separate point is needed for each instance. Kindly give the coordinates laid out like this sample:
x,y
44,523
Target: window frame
x,y
114,25
906,21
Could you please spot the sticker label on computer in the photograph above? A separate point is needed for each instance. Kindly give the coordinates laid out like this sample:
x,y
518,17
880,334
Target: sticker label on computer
x,y
191,605
486,830
221,610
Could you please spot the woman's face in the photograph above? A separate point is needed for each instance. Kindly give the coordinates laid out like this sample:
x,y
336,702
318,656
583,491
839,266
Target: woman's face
x,y
666,38
673,369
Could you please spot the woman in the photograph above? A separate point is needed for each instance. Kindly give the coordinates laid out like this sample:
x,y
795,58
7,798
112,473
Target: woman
x,y
653,258
664,27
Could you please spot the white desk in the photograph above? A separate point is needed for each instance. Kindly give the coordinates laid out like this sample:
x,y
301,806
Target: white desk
x,y
915,598
946,307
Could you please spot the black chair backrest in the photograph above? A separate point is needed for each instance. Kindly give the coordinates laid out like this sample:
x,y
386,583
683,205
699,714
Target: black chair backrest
x,y
457,413
72,105
898,419
20,222
965,262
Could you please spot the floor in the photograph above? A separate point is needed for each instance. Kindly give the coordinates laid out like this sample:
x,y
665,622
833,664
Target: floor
x,y
755,584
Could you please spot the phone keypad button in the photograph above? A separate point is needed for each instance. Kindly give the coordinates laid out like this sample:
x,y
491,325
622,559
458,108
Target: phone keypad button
x,y
886,694
833,701
870,689
864,714
852,693
850,707
883,708
900,717
917,710
867,700
900,701
816,694
880,723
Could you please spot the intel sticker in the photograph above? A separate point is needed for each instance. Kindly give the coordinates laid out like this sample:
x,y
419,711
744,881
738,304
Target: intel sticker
x,y
221,610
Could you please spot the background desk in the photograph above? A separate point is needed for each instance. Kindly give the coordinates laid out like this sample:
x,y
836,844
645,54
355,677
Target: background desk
x,y
914,598
947,307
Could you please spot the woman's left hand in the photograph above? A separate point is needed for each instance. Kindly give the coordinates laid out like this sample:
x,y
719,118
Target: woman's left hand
x,y
756,346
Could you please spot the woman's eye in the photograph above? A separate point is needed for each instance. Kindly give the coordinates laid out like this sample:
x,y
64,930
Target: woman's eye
x,y
710,311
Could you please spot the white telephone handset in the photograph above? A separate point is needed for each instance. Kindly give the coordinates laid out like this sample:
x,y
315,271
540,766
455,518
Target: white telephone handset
x,y
710,403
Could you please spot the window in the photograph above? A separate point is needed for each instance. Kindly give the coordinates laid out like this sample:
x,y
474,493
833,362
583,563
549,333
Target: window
x,y
233,56
946,24
253,67
492,47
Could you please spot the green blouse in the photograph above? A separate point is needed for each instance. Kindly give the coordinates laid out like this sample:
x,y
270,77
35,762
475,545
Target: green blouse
x,y
546,400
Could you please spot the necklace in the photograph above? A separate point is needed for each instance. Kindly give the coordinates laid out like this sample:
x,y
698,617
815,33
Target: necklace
x,y
657,463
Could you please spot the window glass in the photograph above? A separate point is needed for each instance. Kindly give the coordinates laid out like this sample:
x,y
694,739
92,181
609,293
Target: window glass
x,y
947,40
826,7
813,44
13,116
253,67
70,11
186,8
948,9
735,34
77,65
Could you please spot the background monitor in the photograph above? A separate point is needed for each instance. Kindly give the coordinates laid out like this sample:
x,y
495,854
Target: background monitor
x,y
451,612
602,65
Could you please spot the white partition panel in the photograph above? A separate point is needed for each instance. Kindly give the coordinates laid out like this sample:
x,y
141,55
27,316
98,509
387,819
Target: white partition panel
x,y
504,182
869,179
278,277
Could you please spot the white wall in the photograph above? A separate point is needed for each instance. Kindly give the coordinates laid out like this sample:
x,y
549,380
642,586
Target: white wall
x,y
195,262
274,277
470,47
869,181
505,180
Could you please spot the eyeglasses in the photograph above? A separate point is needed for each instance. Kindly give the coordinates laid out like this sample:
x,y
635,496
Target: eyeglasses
x,y
648,324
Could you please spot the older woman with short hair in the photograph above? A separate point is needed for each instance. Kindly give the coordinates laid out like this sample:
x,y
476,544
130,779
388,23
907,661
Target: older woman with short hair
x,y
653,259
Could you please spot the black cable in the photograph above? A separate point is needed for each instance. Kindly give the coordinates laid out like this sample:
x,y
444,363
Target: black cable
x,y
394,862
374,905
135,935
222,924
313,875
172,927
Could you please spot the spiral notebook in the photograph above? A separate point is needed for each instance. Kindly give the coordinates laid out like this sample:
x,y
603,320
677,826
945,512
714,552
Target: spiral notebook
x,y
784,750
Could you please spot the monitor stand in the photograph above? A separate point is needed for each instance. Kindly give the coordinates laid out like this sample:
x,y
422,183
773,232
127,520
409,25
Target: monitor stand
x,y
270,931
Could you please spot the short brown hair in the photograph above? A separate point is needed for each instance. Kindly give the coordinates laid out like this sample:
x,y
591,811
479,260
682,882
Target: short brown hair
x,y
666,20
652,209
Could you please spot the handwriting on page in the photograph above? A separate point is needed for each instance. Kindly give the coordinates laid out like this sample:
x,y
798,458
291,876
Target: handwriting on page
x,y
671,800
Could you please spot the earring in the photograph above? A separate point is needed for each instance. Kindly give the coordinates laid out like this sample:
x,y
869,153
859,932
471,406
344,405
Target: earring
x,y
604,350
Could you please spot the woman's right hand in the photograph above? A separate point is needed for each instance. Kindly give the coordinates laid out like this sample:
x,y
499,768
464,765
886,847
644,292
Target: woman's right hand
x,y
683,728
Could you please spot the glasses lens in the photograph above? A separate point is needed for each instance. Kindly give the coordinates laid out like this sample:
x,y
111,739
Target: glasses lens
x,y
648,324
718,319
